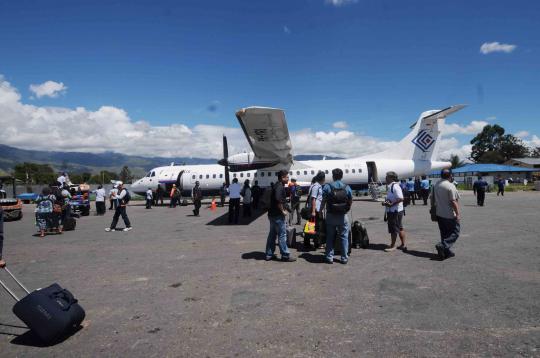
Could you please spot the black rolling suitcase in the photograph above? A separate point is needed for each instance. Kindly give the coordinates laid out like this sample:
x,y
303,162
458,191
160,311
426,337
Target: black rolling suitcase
x,y
52,313
69,224
291,237
360,238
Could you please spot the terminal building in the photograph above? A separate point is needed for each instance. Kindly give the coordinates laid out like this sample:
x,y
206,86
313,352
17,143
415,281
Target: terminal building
x,y
467,174
531,163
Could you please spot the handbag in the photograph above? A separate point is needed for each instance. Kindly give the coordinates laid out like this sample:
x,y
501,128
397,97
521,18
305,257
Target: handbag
x,y
309,228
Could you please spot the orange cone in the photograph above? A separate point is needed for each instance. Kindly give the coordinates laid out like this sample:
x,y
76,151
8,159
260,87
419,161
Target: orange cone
x,y
213,206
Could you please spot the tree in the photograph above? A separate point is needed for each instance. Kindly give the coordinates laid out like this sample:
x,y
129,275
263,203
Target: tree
x,y
492,145
456,161
33,173
125,174
535,152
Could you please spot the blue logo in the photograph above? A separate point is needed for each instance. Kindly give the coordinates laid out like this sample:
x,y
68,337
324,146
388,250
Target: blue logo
x,y
423,140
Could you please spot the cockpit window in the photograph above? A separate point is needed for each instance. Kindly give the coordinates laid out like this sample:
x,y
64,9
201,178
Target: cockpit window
x,y
153,174
149,174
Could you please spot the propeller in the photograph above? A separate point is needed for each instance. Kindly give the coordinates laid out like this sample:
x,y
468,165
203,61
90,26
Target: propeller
x,y
224,161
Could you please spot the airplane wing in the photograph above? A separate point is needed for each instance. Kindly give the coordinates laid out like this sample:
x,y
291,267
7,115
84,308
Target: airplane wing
x,y
267,133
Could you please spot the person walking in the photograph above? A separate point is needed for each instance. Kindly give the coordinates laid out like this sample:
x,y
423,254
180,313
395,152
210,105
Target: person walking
x,y
159,195
173,195
256,192
2,261
246,199
222,194
394,212
112,194
100,200
277,214
445,203
122,198
337,198
234,201
196,196
500,186
424,189
149,198
44,211
479,189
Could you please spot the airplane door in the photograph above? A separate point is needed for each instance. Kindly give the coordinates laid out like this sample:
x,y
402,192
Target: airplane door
x,y
372,172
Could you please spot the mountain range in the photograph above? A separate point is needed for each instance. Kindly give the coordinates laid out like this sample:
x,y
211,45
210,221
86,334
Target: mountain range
x,y
78,162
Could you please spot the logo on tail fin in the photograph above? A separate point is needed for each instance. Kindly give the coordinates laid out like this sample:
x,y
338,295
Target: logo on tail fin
x,y
423,140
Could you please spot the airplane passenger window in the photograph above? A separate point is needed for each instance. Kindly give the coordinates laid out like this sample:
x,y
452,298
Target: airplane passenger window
x,y
220,176
269,174
207,176
241,175
262,174
326,171
305,172
213,176
352,170
248,175
193,177
298,172
312,172
255,174
346,171
200,176
359,170
234,175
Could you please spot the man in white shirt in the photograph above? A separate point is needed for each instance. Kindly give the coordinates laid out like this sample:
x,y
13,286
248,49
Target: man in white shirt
x,y
112,194
61,179
100,200
149,198
394,212
234,201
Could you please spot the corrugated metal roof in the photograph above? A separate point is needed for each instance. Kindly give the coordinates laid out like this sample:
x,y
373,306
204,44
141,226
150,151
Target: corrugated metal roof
x,y
488,168
530,161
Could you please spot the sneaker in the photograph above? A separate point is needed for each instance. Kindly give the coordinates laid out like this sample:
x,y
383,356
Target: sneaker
x,y
390,249
127,228
288,259
268,258
344,262
450,254
403,248
440,252
109,229
329,261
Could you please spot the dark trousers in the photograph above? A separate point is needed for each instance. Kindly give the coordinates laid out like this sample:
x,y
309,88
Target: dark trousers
x,y
159,198
222,200
501,191
412,195
100,207
149,203
256,201
295,207
197,206
113,204
425,195
234,210
449,229
120,211
173,202
246,209
480,197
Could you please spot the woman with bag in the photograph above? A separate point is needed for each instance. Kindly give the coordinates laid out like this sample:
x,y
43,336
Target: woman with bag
x,y
246,199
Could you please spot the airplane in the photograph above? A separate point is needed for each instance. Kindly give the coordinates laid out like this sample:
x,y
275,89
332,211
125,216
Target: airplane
x,y
268,136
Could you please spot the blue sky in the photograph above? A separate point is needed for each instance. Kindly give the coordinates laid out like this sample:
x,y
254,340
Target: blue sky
x,y
372,64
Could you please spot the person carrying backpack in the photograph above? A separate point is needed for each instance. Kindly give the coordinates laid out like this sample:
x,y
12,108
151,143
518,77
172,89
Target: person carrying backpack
x,y
44,210
122,198
295,193
337,198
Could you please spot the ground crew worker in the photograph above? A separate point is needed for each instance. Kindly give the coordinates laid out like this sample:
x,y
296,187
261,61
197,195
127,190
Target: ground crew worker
x,y
394,212
121,202
295,192
479,189
445,200
410,190
276,216
424,189
337,198
500,186
196,196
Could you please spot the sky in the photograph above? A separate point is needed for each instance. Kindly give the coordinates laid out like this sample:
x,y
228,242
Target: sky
x,y
164,78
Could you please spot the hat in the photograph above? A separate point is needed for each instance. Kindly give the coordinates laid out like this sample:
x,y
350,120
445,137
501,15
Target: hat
x,y
118,183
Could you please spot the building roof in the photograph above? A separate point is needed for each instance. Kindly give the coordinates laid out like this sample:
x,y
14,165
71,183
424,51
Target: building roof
x,y
529,161
487,168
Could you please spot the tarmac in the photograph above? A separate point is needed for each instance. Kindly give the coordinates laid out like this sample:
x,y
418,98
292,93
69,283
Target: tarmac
x,y
184,286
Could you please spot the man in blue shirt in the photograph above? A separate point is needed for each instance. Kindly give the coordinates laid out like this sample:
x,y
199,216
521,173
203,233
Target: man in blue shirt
x,y
479,189
337,198
410,190
424,188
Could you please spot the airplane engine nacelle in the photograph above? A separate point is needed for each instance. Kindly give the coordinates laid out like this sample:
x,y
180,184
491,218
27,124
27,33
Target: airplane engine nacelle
x,y
247,161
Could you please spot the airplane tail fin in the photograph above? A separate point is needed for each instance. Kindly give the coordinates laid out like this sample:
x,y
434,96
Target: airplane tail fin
x,y
422,143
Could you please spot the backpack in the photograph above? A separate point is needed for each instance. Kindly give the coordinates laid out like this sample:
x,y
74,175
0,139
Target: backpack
x,y
297,191
338,201
127,197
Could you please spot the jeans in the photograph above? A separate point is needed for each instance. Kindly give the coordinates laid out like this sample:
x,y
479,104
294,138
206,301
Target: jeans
x,y
277,228
295,207
337,223
120,211
449,229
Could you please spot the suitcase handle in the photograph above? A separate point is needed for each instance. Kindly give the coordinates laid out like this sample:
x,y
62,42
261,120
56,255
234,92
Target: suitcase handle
x,y
11,293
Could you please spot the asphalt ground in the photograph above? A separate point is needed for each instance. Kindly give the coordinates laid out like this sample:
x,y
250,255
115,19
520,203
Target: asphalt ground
x,y
184,286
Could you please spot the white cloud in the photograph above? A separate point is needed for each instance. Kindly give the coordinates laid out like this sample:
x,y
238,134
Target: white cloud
x,y
522,134
111,129
532,142
48,89
340,125
449,146
489,47
474,127
339,3
286,29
